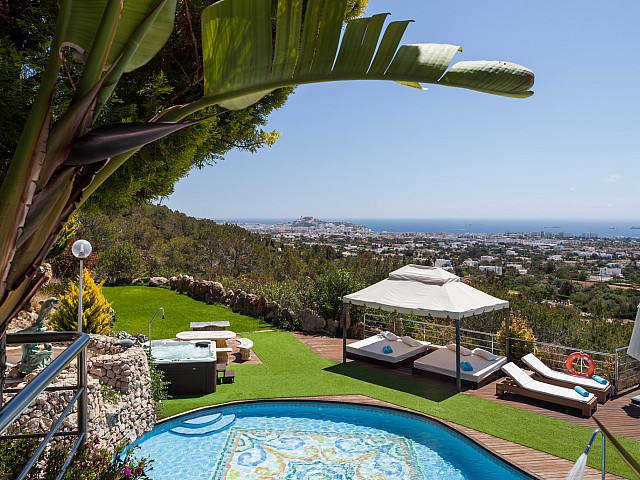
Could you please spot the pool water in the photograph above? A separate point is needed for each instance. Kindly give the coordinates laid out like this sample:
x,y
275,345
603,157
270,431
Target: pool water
x,y
173,350
314,441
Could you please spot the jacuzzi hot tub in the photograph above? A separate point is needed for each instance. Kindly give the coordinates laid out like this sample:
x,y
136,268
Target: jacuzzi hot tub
x,y
189,367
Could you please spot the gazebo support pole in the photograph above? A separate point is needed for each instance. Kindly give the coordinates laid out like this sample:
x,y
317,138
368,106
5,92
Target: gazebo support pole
x,y
507,335
345,315
458,380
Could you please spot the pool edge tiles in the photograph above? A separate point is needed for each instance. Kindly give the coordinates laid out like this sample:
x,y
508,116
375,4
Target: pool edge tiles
x,y
442,451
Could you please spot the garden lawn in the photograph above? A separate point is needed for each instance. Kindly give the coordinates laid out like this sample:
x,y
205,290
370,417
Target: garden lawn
x,y
136,305
291,369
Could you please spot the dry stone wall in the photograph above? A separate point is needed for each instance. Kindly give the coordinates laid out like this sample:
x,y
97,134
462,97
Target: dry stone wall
x,y
250,304
115,419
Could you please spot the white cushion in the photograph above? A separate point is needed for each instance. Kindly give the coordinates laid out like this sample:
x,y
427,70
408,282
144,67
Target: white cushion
x,y
410,341
484,354
463,350
390,336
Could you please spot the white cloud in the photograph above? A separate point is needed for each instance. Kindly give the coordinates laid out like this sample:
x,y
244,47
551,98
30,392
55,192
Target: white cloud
x,y
614,178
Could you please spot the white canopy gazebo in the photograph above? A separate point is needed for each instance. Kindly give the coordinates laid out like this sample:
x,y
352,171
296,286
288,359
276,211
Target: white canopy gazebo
x,y
425,291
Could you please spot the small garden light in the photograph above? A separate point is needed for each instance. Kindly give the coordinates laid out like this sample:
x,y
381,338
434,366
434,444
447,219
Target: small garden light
x,y
81,249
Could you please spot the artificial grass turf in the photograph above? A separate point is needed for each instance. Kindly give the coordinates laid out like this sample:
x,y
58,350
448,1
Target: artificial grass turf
x,y
136,305
291,369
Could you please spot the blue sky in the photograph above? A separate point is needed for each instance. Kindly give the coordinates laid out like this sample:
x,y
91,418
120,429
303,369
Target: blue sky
x,y
380,150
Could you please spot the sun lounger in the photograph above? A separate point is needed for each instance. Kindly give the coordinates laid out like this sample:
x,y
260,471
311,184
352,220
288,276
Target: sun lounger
x,y
543,373
390,353
520,383
442,361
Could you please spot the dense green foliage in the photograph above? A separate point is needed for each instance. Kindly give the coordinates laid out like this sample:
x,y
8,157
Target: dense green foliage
x,y
522,336
153,240
97,315
91,462
308,375
159,387
173,77
558,323
65,239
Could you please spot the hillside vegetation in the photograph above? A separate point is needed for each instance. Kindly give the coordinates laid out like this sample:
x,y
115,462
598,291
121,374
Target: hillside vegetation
x,y
153,240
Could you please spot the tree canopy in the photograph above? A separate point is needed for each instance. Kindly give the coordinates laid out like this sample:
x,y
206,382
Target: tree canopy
x,y
69,147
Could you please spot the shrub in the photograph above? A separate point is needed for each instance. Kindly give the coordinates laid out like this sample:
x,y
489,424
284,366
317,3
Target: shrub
x,y
65,266
65,238
94,463
120,263
522,338
97,315
109,394
159,388
15,453
328,290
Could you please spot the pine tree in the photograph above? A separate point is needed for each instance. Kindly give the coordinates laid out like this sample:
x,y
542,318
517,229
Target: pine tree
x,y
97,315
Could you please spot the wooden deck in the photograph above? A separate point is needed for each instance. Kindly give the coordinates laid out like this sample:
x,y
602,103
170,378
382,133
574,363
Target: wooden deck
x,y
619,415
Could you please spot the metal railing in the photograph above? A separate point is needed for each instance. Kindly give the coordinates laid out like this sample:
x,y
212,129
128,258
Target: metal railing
x,y
622,370
23,398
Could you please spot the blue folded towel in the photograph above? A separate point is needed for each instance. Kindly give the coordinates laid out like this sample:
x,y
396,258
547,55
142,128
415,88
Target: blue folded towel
x,y
581,391
387,349
466,366
599,379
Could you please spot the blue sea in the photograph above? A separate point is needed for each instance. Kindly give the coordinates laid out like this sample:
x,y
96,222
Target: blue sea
x,y
599,228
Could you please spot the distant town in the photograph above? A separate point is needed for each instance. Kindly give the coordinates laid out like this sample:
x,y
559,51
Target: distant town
x,y
584,257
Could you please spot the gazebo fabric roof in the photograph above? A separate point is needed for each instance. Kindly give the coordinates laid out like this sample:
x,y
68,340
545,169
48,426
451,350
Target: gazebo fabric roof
x,y
424,291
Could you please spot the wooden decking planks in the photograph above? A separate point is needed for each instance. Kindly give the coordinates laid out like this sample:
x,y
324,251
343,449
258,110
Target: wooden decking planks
x,y
619,415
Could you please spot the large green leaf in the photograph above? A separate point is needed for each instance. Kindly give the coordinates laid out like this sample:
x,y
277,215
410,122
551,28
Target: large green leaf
x,y
243,60
111,140
87,16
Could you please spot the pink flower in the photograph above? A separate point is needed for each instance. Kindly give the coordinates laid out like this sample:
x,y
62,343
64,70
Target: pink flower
x,y
127,472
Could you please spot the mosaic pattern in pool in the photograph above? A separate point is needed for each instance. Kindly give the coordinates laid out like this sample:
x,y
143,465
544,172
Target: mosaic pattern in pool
x,y
251,453
295,440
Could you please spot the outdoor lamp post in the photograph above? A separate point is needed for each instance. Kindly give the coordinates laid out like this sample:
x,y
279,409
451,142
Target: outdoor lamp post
x,y
81,249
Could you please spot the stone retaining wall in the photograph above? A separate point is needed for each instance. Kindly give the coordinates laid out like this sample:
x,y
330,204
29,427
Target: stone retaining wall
x,y
250,304
123,369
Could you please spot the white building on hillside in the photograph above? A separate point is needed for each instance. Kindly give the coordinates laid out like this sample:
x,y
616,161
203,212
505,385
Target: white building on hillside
x,y
491,268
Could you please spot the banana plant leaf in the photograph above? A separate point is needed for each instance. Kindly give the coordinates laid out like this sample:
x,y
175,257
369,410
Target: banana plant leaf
x,y
111,140
87,16
244,61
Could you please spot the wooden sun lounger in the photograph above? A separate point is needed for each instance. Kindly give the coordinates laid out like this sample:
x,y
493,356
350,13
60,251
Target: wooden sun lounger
x,y
601,395
510,385
545,374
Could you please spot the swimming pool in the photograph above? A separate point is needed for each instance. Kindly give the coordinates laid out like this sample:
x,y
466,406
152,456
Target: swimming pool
x,y
313,440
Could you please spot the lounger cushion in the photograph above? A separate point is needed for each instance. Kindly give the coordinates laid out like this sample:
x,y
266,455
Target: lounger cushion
x,y
463,350
372,347
443,362
525,381
536,364
390,336
412,342
484,354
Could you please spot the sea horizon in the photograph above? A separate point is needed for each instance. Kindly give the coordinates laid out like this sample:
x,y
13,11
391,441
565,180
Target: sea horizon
x,y
597,227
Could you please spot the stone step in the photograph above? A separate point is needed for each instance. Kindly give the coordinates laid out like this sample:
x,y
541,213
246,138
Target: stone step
x,y
203,421
222,423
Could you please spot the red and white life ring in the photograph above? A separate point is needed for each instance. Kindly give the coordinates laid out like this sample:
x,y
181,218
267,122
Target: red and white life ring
x,y
581,356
